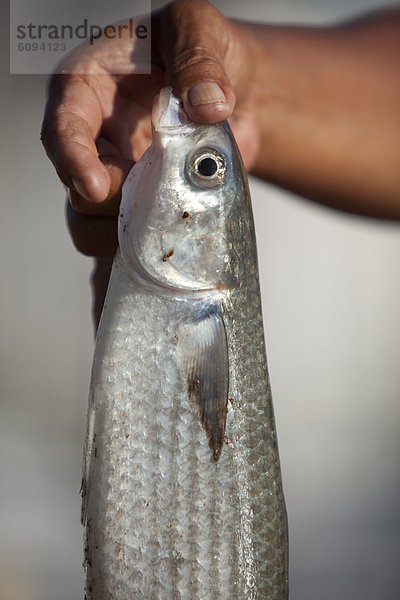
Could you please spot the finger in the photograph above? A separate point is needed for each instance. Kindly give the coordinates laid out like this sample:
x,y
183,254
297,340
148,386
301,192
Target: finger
x,y
92,235
117,169
71,124
244,128
195,39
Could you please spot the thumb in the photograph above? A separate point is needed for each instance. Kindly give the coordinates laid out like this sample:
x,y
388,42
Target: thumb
x,y
194,41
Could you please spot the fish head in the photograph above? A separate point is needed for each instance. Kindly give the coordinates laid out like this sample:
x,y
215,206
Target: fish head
x,y
178,200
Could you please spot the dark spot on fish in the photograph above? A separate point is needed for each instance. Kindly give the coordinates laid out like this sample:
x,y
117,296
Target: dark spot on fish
x,y
185,215
95,452
177,557
167,256
228,442
124,228
126,435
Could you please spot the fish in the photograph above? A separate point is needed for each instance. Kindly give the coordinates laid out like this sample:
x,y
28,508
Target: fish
x,y
182,494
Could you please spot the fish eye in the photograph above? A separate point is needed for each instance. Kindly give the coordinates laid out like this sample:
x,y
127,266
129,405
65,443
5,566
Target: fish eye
x,y
206,167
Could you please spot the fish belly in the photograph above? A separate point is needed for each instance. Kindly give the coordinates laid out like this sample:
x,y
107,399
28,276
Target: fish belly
x,y
164,519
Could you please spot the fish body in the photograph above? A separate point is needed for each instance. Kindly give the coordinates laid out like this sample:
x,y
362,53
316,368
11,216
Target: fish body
x,y
182,493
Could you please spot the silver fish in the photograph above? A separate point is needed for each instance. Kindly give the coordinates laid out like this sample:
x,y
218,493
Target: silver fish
x,y
182,493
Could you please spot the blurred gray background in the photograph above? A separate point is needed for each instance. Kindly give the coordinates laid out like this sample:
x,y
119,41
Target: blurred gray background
x,y
331,297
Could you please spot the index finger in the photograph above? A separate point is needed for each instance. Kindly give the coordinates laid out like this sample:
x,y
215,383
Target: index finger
x,y
72,122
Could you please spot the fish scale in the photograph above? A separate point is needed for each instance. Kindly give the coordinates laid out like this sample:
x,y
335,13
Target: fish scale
x,y
169,514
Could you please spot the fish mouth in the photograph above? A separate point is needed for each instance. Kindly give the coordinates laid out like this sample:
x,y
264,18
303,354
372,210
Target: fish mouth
x,y
168,114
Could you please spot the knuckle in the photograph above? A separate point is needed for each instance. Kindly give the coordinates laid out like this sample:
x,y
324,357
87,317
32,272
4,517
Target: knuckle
x,y
191,66
63,124
72,134
195,56
60,133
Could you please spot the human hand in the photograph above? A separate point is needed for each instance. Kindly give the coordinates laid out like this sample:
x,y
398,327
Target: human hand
x,y
97,124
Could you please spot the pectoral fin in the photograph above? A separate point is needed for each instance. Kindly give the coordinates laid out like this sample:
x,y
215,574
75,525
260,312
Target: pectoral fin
x,y
203,357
